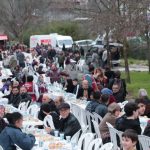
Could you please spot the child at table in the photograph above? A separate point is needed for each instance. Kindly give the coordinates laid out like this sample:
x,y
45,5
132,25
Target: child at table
x,y
12,134
129,140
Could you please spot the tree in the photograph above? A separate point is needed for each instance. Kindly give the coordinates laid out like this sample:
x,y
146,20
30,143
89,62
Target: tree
x,y
120,17
18,15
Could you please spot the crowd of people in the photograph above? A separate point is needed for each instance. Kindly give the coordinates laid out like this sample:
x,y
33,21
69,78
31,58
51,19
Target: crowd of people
x,y
103,88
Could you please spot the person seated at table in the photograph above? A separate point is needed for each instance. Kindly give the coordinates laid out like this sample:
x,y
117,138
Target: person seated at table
x,y
58,101
102,109
110,93
69,124
5,86
129,140
117,94
91,106
54,74
3,124
47,109
130,119
69,86
110,117
144,95
46,100
14,97
12,134
84,91
142,106
76,84
25,97
31,87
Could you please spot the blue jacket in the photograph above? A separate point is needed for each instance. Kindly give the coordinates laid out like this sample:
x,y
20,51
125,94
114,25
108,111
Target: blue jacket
x,y
12,135
101,109
91,106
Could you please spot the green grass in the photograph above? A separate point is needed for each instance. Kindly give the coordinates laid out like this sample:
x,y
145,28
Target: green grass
x,y
138,80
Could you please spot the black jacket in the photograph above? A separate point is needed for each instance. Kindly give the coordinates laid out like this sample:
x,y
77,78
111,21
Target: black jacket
x,y
70,125
13,99
91,106
81,91
3,124
123,123
147,130
49,108
25,97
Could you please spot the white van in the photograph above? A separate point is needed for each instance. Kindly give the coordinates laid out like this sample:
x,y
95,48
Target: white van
x,y
58,41
39,39
55,40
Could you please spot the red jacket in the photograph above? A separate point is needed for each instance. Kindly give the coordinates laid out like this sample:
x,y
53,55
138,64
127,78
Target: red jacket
x,y
30,90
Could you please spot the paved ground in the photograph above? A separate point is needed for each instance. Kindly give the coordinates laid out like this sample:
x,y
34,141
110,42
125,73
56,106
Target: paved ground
x,y
133,67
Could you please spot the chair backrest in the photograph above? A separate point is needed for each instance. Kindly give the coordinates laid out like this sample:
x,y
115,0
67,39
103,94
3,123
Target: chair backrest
x,y
22,107
97,117
96,128
85,129
79,114
75,137
144,141
95,144
77,90
90,117
33,110
84,141
27,104
48,122
1,148
113,135
107,146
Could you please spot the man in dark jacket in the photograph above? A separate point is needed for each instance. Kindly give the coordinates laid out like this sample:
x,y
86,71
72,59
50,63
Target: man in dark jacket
x,y
93,103
130,119
25,97
69,124
47,109
14,98
84,91
102,109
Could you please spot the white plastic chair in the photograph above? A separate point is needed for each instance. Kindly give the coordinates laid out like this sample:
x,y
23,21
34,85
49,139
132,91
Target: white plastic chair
x,y
75,137
77,90
96,128
113,135
90,117
97,117
84,141
27,104
22,107
79,114
144,141
48,122
107,146
95,144
33,110
85,129
1,148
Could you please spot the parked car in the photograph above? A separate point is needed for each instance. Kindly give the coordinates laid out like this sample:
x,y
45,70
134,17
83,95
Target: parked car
x,y
85,44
